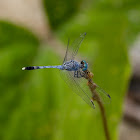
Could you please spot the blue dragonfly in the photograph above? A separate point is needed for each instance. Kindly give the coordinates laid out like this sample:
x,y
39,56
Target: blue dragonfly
x,y
73,74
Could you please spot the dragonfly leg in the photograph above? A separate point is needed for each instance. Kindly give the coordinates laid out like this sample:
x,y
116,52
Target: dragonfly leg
x,y
82,74
78,74
75,74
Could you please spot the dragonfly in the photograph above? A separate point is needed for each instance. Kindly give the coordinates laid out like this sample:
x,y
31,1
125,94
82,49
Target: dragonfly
x,y
73,72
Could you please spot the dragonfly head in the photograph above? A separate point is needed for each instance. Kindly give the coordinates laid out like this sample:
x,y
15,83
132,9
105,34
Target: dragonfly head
x,y
84,65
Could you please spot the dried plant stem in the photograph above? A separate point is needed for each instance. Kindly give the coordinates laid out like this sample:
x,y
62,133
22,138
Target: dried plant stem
x,y
92,86
104,120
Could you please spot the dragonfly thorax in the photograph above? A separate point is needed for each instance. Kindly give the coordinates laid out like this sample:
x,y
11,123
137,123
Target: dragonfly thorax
x,y
71,65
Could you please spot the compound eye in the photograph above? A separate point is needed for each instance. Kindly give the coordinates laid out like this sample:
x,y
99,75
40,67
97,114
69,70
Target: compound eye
x,y
82,62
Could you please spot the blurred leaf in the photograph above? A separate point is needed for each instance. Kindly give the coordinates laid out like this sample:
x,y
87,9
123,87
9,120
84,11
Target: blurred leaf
x,y
17,48
60,11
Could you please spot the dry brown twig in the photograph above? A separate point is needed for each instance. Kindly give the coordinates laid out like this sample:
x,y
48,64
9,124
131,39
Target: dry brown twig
x,y
95,97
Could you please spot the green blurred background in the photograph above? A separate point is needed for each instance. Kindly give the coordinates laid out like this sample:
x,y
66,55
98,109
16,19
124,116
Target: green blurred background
x,y
38,105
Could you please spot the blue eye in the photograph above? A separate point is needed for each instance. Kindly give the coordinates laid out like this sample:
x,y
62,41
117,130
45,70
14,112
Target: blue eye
x,y
85,65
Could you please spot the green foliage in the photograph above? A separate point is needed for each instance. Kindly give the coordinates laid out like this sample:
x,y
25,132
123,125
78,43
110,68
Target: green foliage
x,y
60,11
17,48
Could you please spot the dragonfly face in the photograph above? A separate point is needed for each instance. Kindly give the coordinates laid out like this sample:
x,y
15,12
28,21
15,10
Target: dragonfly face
x,y
84,65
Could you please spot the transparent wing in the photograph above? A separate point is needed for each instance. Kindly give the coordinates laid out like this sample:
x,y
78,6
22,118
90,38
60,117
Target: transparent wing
x,y
82,82
66,55
72,50
104,97
76,86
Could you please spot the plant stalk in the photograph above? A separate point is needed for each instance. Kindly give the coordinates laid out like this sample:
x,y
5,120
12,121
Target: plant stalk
x,y
95,97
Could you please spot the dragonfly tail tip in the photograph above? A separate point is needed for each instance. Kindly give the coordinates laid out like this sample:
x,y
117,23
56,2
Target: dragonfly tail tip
x,y
23,68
